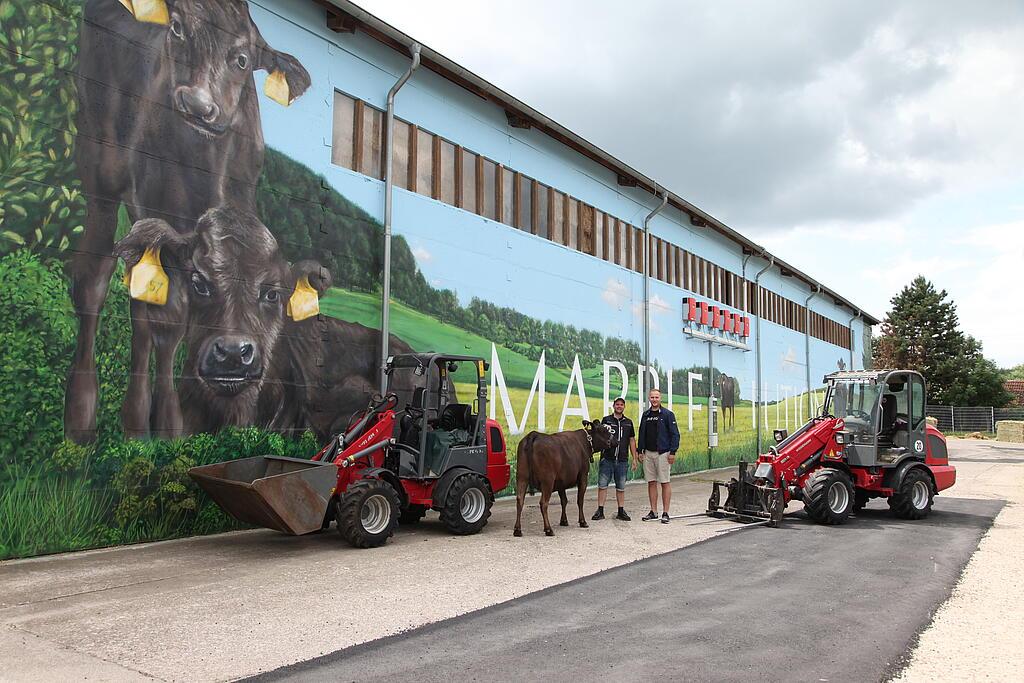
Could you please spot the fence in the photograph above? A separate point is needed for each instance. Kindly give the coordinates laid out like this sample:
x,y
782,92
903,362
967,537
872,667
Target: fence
x,y
972,418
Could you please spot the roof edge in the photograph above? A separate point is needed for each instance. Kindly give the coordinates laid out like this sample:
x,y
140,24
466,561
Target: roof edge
x,y
389,35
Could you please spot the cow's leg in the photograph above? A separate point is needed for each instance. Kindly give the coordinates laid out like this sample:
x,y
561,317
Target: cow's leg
x,y
565,501
167,419
135,409
90,269
520,498
546,489
581,493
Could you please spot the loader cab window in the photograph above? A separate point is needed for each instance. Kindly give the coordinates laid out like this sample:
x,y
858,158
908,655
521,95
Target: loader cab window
x,y
917,403
894,422
857,404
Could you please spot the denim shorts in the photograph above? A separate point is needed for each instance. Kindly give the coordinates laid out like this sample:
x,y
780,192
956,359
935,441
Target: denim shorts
x,y
612,468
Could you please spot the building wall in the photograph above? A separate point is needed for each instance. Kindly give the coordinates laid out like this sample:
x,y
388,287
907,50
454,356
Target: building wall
x,y
102,164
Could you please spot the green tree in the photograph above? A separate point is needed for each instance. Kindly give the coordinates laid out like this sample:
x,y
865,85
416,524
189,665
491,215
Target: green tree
x,y
922,332
1016,372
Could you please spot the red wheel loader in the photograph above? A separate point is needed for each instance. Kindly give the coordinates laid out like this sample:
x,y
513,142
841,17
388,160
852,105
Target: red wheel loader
x,y
871,440
415,449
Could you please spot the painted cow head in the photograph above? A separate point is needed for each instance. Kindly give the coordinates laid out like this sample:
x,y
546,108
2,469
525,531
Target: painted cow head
x,y
241,291
212,48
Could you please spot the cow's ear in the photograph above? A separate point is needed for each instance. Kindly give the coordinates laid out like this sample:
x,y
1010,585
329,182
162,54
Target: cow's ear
x,y
153,234
587,423
149,11
287,79
319,278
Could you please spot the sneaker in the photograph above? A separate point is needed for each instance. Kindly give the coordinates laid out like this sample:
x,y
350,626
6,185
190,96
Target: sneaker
x,y
665,518
650,516
623,516
599,514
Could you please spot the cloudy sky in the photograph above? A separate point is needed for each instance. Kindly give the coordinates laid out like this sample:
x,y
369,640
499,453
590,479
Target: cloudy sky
x,y
865,142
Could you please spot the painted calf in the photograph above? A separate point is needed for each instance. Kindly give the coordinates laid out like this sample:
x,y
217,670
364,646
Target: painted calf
x,y
248,361
169,125
556,462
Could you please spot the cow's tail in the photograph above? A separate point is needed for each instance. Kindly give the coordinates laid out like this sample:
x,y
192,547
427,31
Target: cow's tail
x,y
525,450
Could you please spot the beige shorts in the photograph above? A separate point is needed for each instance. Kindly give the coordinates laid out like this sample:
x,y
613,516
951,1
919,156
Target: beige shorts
x,y
656,467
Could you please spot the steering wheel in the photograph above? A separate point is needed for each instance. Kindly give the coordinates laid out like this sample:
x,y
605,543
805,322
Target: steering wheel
x,y
859,414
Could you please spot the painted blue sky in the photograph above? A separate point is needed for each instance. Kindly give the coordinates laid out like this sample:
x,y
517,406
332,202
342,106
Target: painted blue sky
x,y
865,143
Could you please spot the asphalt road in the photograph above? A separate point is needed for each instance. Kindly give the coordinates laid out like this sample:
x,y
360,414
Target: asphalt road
x,y
803,602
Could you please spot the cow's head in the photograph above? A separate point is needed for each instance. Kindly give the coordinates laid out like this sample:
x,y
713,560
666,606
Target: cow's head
x,y
212,49
240,294
602,436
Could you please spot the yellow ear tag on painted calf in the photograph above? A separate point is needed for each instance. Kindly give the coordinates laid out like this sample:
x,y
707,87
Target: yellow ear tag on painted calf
x,y
149,11
148,281
304,302
276,88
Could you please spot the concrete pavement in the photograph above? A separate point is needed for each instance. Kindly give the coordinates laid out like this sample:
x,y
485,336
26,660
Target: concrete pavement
x,y
225,606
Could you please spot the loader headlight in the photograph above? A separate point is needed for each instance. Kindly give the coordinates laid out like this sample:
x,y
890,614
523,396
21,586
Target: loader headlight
x,y
763,471
840,438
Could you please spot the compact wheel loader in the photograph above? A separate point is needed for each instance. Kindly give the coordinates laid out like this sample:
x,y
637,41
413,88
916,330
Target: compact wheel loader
x,y
871,440
414,449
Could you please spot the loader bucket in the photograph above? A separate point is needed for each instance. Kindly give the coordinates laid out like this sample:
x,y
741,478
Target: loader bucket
x,y
286,494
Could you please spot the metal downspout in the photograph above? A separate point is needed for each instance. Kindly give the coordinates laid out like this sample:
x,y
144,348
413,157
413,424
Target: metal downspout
x,y
807,344
743,276
757,346
647,293
849,325
389,186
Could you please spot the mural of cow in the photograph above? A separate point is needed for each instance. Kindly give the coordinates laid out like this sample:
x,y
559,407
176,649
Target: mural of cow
x,y
169,125
727,387
248,362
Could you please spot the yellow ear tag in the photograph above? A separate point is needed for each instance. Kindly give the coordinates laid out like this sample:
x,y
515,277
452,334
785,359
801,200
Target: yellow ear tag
x,y
304,302
276,88
148,281
150,11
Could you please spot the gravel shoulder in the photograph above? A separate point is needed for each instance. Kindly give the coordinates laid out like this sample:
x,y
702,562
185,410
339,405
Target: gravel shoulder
x,y
977,634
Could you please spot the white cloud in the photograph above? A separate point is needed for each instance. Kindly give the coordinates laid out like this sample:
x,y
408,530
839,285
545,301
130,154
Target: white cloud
x,y
422,254
615,293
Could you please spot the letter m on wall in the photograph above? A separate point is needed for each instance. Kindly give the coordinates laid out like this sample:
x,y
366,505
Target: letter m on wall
x,y
499,390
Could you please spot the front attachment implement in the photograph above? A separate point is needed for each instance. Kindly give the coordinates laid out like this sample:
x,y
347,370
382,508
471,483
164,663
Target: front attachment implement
x,y
748,499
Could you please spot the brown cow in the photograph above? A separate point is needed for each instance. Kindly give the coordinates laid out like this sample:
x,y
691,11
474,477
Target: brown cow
x,y
555,462
727,400
247,362
169,125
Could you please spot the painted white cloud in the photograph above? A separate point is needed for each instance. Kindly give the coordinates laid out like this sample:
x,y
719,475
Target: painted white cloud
x,y
615,293
422,254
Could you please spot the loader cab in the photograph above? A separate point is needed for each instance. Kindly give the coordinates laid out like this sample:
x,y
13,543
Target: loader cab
x,y
442,408
883,412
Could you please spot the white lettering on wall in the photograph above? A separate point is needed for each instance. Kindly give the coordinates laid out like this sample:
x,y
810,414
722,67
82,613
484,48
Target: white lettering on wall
x,y
576,378
606,407
689,397
500,390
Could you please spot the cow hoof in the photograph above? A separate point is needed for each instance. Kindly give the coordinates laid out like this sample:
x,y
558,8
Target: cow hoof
x,y
564,522
517,533
549,532
584,525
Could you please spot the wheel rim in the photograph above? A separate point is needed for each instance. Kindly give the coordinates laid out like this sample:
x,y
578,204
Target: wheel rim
x,y
919,495
375,514
838,497
472,505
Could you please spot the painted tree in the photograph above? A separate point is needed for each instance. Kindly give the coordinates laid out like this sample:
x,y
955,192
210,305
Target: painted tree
x,y
922,332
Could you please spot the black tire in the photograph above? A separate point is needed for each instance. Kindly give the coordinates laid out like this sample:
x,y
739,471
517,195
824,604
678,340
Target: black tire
x,y
828,496
911,500
367,513
412,514
467,505
860,500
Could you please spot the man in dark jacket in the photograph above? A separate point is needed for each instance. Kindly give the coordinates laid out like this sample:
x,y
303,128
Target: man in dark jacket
x,y
659,441
615,461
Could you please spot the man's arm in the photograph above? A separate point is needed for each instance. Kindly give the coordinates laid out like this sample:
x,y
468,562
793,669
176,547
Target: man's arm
x,y
673,433
632,448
